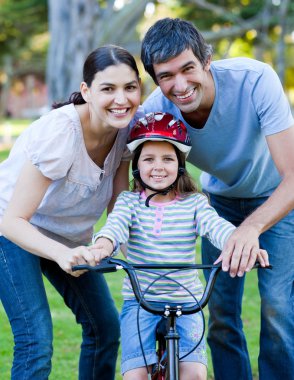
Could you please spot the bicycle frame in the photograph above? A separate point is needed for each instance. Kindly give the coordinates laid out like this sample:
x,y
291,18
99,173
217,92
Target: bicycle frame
x,y
171,312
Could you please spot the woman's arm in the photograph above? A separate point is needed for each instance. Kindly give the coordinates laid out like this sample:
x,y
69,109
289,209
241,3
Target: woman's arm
x,y
120,183
29,191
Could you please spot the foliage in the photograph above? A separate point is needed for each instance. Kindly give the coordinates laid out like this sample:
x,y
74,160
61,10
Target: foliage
x,y
20,22
78,28
261,29
23,43
256,23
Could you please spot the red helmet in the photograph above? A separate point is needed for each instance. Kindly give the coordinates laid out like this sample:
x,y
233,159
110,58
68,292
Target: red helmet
x,y
159,126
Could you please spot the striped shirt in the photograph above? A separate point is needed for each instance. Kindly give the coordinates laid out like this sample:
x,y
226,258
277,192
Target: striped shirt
x,y
164,233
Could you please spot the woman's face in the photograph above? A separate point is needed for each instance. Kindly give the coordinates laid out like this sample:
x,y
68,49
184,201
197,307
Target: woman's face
x,y
158,165
114,96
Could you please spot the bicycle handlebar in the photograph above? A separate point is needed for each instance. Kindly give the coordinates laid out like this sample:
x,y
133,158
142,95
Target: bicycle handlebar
x,y
110,264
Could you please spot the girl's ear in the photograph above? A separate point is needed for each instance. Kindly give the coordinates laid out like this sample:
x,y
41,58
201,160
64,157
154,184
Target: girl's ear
x,y
85,91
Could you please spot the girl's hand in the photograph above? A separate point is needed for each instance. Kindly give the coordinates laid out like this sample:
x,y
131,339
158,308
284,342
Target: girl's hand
x,y
102,248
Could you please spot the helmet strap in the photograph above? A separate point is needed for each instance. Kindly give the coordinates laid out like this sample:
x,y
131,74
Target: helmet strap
x,y
136,175
161,192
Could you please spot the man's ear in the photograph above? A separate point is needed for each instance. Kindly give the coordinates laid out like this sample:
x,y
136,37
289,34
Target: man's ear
x,y
85,91
207,64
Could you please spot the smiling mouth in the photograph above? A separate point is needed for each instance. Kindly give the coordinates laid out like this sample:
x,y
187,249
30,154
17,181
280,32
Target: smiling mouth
x,y
157,177
187,95
117,111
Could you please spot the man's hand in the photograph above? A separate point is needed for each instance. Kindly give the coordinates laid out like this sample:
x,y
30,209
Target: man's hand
x,y
241,251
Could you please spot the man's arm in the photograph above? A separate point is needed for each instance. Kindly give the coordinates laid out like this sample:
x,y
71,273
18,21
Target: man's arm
x,y
241,249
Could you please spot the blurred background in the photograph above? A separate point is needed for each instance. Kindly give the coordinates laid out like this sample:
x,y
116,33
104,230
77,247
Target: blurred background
x,y
43,43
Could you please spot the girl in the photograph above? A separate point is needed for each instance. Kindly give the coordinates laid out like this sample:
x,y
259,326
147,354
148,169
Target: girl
x,y
160,220
62,172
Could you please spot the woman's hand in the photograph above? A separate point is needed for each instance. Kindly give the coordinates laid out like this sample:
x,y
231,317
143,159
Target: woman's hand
x,y
76,256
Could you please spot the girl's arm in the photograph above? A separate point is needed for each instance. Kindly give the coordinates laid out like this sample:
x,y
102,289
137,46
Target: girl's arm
x,y
29,191
115,231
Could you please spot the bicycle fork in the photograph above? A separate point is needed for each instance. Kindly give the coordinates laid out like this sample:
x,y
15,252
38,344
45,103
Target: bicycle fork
x,y
172,344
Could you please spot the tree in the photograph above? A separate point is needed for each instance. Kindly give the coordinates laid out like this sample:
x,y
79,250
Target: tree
x,y
79,26
19,22
261,24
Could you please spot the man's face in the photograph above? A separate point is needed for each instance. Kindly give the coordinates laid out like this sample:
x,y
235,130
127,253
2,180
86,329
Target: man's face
x,y
185,82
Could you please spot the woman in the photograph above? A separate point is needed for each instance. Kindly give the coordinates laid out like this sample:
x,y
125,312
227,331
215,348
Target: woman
x,y
62,172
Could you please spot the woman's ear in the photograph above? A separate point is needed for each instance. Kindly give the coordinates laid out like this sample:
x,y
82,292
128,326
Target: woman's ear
x,y
85,91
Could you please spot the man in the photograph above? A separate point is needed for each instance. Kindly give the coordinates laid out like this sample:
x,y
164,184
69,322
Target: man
x,y
243,140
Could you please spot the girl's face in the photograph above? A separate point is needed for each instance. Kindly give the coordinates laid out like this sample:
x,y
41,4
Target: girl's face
x,y
114,96
158,165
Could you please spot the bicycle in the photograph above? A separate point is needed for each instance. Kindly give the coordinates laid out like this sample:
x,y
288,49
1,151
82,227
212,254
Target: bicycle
x,y
167,366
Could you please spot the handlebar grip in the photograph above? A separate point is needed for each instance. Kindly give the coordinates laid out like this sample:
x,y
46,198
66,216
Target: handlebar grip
x,y
104,267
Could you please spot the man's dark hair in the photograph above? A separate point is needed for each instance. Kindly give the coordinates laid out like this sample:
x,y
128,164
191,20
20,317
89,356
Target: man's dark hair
x,y
168,38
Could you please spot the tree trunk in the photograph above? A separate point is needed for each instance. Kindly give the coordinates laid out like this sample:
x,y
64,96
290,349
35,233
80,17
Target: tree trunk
x,y
4,94
70,27
280,62
79,26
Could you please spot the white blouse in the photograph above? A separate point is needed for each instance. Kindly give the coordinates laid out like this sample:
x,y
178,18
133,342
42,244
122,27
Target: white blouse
x,y
80,190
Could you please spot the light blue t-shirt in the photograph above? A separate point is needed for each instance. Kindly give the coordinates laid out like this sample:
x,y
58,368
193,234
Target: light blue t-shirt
x,y
231,148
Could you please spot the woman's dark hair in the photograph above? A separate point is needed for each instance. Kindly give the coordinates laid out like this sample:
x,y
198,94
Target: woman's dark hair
x,y
184,184
99,60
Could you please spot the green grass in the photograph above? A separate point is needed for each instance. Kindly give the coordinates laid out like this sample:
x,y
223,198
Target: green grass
x,y
13,126
3,154
67,334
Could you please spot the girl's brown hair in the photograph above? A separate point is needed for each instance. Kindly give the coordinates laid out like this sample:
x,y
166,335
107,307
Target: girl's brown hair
x,y
184,185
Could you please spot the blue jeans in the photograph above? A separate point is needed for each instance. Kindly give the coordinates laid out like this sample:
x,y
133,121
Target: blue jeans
x,y
276,287
23,296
